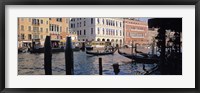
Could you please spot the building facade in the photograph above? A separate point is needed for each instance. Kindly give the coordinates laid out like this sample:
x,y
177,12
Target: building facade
x,y
98,29
32,30
35,30
135,31
151,34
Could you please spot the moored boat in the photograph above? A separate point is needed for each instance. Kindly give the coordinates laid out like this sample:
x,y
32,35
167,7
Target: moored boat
x,y
140,58
41,50
99,53
89,48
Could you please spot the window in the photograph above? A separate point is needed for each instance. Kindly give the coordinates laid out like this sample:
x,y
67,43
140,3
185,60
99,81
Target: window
x,y
66,29
35,21
84,23
59,19
22,27
91,30
29,28
98,20
80,32
46,30
41,36
98,30
22,36
91,20
35,29
103,31
116,32
47,22
50,27
22,19
60,29
106,22
106,31
66,20
77,32
29,20
41,21
103,21
49,18
57,28
77,24
29,36
71,25
120,33
80,24
41,29
120,24
84,32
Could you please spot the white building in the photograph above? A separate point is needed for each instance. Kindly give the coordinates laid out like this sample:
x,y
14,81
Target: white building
x,y
98,29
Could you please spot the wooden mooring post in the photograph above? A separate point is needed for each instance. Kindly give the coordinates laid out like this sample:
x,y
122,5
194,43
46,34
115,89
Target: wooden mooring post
x,y
47,56
132,50
69,62
116,68
100,66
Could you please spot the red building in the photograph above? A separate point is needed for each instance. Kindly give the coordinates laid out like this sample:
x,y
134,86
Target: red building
x,y
135,31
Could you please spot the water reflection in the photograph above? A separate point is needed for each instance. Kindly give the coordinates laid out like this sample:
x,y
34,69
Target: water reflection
x,y
84,64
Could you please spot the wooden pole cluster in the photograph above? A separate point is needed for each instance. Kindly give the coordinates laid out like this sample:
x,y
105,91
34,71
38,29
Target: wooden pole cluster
x,y
48,56
69,62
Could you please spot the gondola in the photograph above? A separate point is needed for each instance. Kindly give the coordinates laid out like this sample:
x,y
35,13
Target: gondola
x,y
41,50
101,53
89,48
140,58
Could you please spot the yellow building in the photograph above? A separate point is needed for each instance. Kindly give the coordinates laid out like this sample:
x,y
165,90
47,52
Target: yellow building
x,y
59,28
24,32
34,31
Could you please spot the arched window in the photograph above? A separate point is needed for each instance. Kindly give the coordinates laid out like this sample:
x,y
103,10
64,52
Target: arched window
x,y
98,20
106,22
103,31
98,30
106,31
77,32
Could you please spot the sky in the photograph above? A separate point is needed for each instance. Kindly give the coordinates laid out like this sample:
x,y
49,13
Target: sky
x,y
143,19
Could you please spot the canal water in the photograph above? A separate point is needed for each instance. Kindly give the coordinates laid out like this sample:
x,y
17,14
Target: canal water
x,y
84,64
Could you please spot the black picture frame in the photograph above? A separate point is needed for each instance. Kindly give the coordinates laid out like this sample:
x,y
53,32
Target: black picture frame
x,y
3,3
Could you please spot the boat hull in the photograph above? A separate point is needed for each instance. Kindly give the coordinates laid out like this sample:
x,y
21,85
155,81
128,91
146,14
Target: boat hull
x,y
140,59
